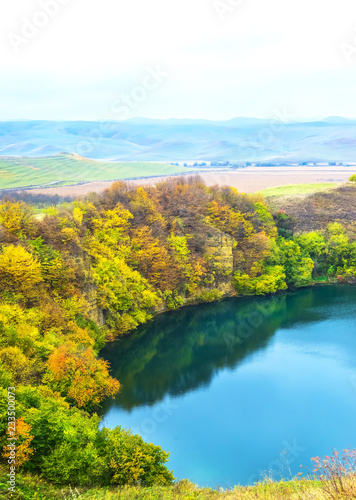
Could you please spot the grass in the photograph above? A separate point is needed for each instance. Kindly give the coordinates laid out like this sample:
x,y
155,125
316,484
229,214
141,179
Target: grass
x,y
186,490
65,169
32,487
297,189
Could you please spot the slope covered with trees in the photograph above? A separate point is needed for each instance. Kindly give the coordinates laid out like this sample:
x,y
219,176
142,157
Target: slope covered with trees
x,y
91,270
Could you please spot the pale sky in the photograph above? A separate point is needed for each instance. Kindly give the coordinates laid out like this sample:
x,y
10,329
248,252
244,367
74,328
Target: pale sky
x,y
216,59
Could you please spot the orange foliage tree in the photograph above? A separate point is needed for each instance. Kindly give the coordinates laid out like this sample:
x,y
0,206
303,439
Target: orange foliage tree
x,y
23,443
75,372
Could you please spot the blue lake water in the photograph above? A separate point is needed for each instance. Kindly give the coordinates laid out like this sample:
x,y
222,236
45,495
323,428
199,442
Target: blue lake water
x,y
242,387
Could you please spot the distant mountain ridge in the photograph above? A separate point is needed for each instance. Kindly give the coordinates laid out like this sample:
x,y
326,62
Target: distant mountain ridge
x,y
143,139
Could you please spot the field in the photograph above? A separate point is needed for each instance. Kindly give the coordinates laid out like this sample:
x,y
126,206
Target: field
x,y
247,180
297,189
66,169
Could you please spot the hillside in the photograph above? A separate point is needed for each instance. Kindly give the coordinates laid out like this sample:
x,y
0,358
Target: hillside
x,y
332,139
65,169
313,211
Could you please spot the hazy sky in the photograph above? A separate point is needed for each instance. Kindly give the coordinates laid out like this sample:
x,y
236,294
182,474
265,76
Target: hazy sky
x,y
214,59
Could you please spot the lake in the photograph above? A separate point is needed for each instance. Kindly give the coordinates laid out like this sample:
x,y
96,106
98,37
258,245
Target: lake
x,y
242,387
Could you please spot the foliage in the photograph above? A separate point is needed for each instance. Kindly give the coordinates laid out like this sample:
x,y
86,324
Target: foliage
x,y
284,224
298,267
337,473
132,461
270,280
17,218
30,487
20,272
23,443
209,295
125,293
91,270
76,373
173,299
151,258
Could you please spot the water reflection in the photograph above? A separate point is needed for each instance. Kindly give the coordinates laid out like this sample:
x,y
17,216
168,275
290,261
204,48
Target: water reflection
x,y
227,387
180,351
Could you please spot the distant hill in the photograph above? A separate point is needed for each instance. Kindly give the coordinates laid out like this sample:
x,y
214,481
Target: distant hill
x,y
142,139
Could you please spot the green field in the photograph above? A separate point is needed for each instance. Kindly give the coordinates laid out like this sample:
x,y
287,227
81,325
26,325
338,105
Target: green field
x,y
66,169
297,189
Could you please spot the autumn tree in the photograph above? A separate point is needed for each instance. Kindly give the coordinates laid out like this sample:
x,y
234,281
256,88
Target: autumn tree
x,y
224,218
76,373
151,258
23,443
20,272
124,293
144,208
17,218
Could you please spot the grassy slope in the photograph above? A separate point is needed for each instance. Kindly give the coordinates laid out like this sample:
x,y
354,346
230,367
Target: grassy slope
x,y
67,169
31,487
297,189
313,211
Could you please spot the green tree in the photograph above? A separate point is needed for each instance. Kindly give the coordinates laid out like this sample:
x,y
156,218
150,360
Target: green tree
x,y
298,266
133,461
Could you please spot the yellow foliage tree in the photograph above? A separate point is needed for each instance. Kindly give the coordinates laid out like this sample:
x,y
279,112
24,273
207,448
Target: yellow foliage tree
x,y
20,272
142,205
17,218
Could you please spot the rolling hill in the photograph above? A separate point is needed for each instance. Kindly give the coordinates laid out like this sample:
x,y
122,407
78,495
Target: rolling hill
x,y
65,169
141,139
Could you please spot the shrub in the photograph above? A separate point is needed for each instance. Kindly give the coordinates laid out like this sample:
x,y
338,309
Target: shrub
x,y
131,460
337,474
210,295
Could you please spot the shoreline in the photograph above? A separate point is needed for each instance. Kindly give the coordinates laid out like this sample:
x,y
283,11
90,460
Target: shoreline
x,y
159,312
